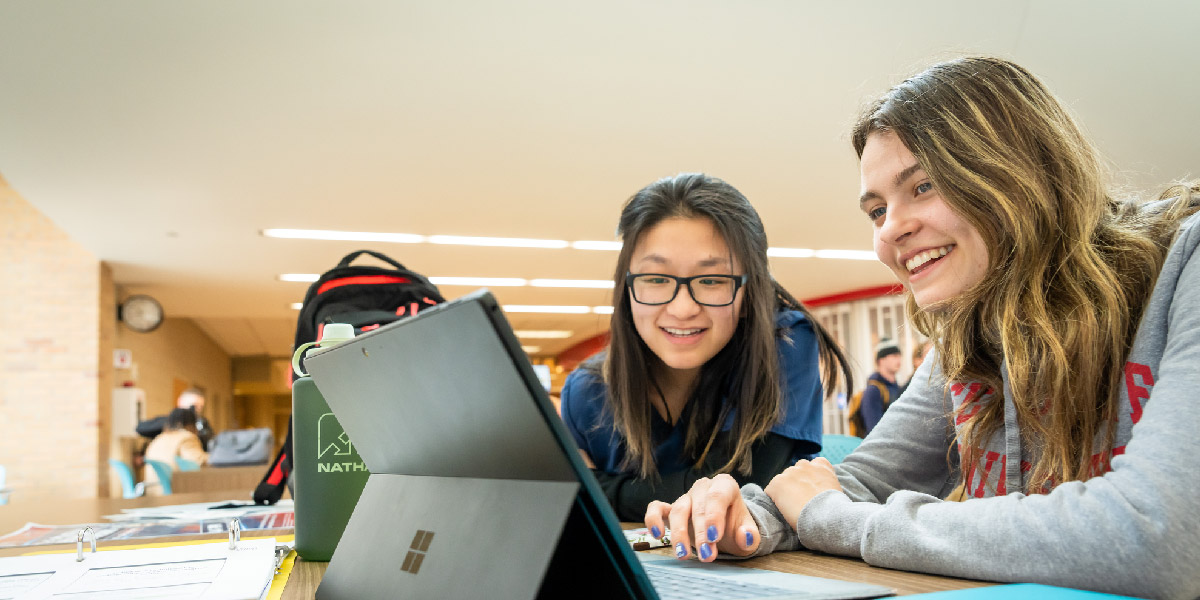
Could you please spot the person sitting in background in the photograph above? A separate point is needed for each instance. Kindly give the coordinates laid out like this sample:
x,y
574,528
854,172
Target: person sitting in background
x,y
191,398
177,439
881,389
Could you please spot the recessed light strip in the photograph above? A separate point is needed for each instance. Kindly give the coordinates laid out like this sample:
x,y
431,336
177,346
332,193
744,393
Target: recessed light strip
x,y
848,254
530,308
573,283
480,281
791,252
545,308
352,236
461,240
594,245
542,334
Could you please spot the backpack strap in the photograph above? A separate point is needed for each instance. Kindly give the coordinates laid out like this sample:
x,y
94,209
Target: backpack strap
x,y
349,258
270,489
883,392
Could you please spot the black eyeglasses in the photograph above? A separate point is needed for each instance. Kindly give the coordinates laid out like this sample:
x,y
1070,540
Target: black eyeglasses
x,y
707,290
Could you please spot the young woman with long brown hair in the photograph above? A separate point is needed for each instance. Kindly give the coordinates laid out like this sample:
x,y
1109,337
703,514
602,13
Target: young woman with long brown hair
x,y
712,366
1059,397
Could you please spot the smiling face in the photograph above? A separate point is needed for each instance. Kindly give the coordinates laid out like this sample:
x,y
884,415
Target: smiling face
x,y
683,334
932,250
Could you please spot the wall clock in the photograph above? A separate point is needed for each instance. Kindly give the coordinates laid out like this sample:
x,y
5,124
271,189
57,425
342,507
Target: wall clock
x,y
140,313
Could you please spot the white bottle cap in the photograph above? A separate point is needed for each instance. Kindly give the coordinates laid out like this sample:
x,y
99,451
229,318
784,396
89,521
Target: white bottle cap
x,y
337,332
332,334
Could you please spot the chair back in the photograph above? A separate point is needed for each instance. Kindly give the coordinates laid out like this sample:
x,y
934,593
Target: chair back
x,y
163,472
129,489
835,447
184,464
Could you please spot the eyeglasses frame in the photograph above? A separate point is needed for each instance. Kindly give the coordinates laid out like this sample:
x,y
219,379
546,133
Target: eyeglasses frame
x,y
686,282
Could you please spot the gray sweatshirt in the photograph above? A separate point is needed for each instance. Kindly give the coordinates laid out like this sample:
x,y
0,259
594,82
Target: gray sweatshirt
x,y
1134,530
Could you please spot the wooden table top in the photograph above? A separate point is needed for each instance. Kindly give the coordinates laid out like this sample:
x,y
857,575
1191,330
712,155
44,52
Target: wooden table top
x,y
306,576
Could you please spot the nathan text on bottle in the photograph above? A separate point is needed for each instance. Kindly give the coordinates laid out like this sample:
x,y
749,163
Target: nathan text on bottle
x,y
327,471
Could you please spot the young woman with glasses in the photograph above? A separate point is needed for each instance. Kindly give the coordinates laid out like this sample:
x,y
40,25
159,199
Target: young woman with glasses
x,y
1060,394
712,366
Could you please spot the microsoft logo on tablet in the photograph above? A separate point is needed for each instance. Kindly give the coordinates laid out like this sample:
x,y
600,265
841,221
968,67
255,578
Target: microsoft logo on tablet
x,y
420,544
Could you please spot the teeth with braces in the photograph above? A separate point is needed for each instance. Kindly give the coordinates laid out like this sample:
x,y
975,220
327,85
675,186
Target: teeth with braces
x,y
927,256
681,331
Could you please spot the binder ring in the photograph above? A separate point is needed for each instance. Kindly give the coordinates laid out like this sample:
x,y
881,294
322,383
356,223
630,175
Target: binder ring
x,y
235,533
79,542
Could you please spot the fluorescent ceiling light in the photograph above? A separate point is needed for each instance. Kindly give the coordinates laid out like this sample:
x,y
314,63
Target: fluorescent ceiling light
x,y
410,238
593,245
572,283
496,241
353,236
791,252
526,308
479,281
602,310
531,349
848,254
483,281
544,334
297,305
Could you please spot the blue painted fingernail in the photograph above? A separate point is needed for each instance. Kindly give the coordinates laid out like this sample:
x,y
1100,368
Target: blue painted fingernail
x,y
680,551
712,533
705,551
749,539
654,531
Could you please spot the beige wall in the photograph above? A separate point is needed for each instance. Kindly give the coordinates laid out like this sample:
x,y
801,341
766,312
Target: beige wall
x,y
58,330
51,378
178,350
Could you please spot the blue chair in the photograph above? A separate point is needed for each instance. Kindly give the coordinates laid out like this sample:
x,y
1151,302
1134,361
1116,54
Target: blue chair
x,y
163,472
184,464
129,489
835,447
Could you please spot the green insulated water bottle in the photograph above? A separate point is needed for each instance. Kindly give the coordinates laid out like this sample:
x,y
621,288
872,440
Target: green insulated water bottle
x,y
327,472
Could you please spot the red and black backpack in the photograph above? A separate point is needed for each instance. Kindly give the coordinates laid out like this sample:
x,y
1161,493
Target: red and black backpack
x,y
364,296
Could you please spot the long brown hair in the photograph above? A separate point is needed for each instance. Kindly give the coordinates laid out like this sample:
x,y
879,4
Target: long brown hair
x,y
747,368
1070,267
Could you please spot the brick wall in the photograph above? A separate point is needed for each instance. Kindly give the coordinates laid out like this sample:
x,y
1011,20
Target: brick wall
x,y
50,342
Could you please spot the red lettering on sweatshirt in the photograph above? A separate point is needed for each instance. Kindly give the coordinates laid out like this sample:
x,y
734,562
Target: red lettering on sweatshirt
x,y
1137,393
987,472
1102,462
970,405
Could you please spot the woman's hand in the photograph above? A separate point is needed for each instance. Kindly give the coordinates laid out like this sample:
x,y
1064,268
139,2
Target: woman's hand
x,y
795,486
711,515
587,460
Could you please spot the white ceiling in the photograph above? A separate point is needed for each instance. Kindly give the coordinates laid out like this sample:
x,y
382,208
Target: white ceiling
x,y
163,136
